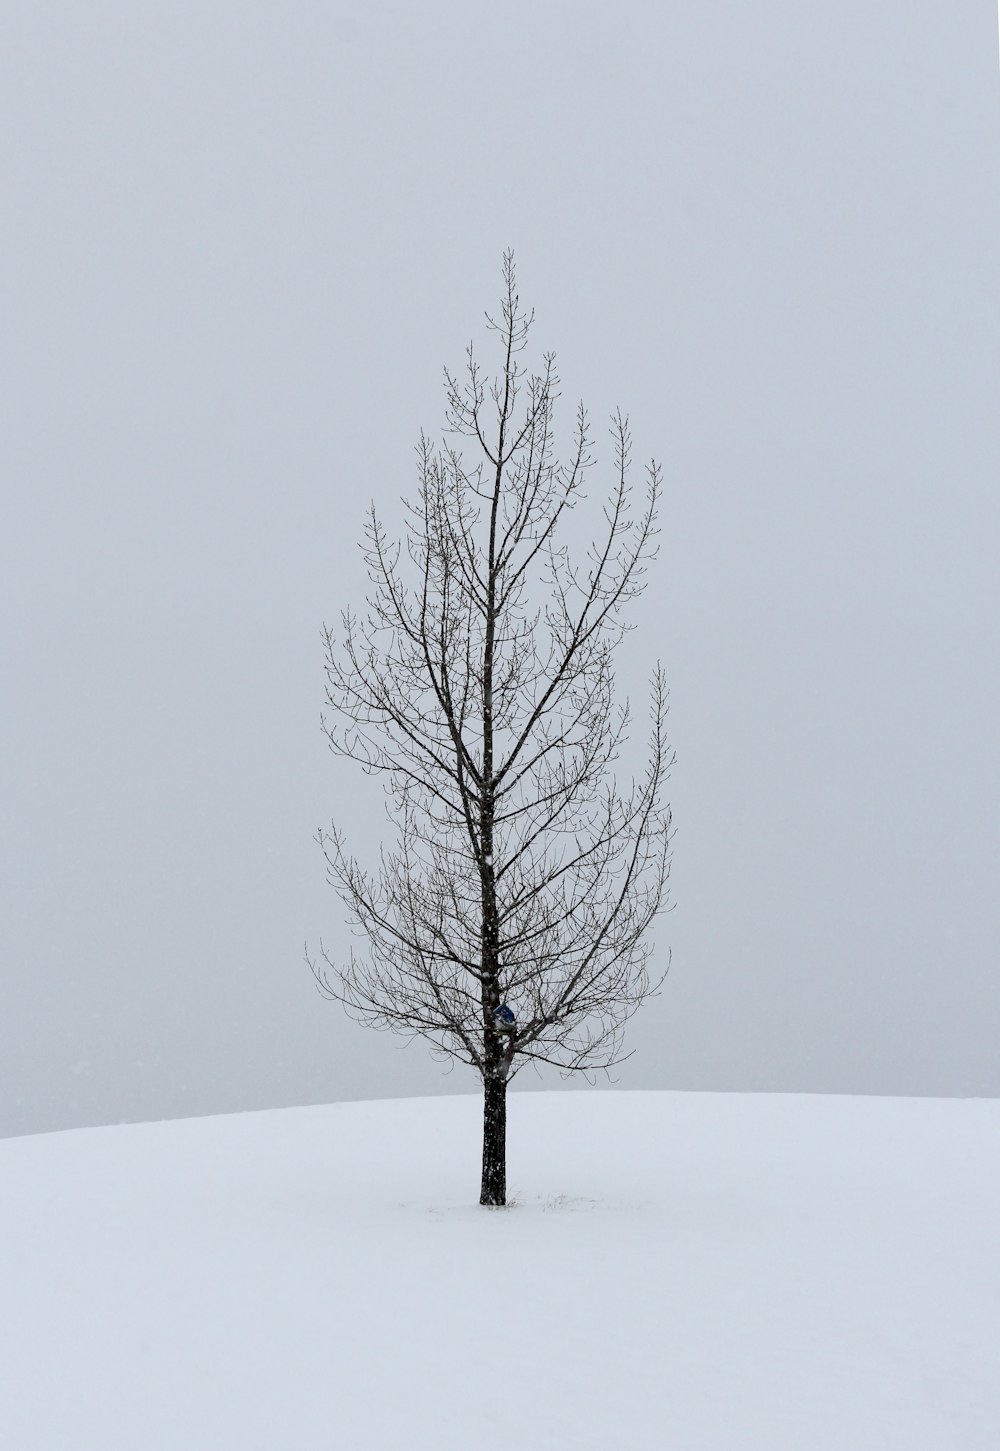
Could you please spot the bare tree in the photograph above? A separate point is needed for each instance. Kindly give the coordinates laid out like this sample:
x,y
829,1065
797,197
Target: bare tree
x,y
507,924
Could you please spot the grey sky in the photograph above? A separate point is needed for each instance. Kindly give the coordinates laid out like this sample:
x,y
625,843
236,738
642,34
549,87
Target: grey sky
x,y
240,241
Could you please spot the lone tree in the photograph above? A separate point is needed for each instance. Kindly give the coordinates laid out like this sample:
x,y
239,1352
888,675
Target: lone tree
x,y
507,923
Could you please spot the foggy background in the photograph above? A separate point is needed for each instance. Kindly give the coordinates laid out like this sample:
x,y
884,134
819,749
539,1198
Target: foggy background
x,y
240,241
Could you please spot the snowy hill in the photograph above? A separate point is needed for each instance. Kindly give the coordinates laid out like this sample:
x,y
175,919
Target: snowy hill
x,y
679,1272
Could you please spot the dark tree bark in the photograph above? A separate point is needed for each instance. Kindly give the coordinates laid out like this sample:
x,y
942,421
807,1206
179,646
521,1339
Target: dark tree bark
x,y
493,1189
508,924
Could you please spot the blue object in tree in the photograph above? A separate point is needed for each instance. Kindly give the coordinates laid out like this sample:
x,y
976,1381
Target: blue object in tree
x,y
503,1019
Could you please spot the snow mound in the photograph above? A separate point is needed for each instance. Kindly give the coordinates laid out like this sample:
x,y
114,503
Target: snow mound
x,y
678,1272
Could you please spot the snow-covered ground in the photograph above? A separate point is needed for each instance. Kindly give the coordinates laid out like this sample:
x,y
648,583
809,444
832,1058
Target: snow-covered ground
x,y
678,1272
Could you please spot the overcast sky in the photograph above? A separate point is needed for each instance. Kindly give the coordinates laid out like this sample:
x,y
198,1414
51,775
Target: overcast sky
x,y
240,241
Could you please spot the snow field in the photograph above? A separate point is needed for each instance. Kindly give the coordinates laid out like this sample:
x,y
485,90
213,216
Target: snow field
x,y
684,1272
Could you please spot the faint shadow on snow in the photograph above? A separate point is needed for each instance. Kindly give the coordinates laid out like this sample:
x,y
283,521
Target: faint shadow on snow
x,y
520,1203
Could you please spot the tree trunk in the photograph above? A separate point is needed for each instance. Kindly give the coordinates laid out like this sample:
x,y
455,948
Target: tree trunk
x,y
494,1187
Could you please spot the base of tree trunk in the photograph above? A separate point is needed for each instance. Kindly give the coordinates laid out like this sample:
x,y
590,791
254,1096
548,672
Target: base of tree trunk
x,y
494,1185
